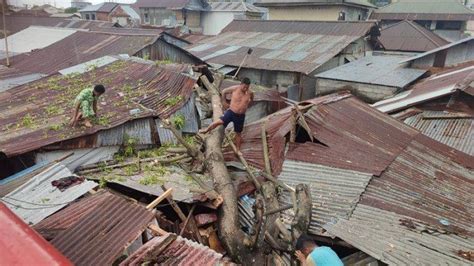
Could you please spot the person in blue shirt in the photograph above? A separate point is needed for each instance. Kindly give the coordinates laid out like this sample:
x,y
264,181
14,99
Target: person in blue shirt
x,y
309,254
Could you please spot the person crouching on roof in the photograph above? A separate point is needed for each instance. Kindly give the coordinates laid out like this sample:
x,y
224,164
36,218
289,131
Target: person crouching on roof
x,y
309,254
85,105
241,97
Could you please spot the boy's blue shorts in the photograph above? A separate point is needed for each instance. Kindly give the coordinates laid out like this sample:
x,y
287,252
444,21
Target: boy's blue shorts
x,y
238,119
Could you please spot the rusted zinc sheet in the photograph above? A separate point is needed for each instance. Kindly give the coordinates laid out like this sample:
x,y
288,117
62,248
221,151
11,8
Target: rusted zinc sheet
x,y
280,45
16,23
419,208
11,77
78,48
456,132
37,114
420,16
50,227
436,86
180,252
408,36
110,228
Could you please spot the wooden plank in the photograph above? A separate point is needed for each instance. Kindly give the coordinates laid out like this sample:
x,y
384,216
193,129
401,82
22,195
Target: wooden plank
x,y
156,230
157,201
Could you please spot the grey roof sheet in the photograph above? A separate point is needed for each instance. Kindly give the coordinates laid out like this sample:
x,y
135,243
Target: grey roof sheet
x,y
335,192
457,133
469,40
235,7
426,6
37,198
378,70
382,235
280,45
363,3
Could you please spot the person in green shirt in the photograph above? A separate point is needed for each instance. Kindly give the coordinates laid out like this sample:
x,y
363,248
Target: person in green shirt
x,y
85,105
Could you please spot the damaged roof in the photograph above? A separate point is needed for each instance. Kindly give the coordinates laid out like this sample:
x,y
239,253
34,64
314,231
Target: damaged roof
x,y
111,227
294,46
363,158
78,48
382,70
38,198
37,114
446,82
409,36
181,251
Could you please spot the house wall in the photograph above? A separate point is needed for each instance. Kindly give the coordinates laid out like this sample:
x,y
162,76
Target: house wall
x,y
455,55
123,21
193,19
161,50
367,92
315,13
269,78
89,15
161,16
102,16
213,22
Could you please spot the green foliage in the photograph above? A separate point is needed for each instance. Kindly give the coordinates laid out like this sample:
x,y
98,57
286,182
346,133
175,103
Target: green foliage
x,y
55,127
27,121
146,57
130,170
54,110
190,140
129,148
178,121
102,182
103,120
71,10
153,174
163,62
172,101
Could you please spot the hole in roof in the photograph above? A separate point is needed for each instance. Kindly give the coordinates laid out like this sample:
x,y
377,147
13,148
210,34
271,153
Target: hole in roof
x,y
302,136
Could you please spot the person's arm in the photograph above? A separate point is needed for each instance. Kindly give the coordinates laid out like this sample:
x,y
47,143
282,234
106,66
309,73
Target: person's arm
x,y
224,95
76,111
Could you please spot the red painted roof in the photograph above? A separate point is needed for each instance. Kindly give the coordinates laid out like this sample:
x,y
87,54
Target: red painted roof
x,y
21,245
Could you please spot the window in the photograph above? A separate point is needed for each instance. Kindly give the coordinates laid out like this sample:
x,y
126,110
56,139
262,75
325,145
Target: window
x,y
87,17
342,15
146,16
92,16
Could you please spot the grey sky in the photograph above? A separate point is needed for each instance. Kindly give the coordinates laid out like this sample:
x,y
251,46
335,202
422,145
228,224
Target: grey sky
x,y
58,3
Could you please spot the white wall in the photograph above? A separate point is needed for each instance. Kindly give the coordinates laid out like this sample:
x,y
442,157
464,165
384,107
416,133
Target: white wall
x,y
213,22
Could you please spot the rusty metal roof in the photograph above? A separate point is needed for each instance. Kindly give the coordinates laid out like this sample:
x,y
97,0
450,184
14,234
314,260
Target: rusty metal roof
x,y
456,132
50,227
280,45
172,4
101,235
16,23
181,251
438,85
78,48
270,3
408,36
36,114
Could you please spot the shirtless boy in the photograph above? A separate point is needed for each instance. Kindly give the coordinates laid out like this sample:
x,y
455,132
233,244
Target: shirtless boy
x,y
239,102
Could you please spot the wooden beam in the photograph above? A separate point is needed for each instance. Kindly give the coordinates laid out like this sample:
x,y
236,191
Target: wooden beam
x,y
156,230
157,201
187,220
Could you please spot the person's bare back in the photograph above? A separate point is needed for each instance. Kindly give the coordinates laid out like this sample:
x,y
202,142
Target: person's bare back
x,y
240,99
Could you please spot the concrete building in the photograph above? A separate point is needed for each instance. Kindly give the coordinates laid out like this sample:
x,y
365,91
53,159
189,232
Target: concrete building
x,y
286,54
371,78
223,13
448,18
124,15
172,12
317,10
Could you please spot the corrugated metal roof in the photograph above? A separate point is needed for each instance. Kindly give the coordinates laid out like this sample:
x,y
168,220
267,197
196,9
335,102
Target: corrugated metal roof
x,y
378,70
382,235
106,7
110,228
180,252
408,36
235,7
135,89
16,23
280,45
12,182
50,227
11,77
37,198
246,213
130,11
172,4
34,37
185,189
362,3
457,133
335,192
78,48
469,40
424,10
433,87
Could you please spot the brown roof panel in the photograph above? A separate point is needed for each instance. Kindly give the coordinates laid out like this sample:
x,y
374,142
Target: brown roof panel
x,y
180,252
36,114
78,48
101,236
408,36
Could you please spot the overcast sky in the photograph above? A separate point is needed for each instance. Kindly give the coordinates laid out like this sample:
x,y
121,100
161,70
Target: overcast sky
x,y
58,3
